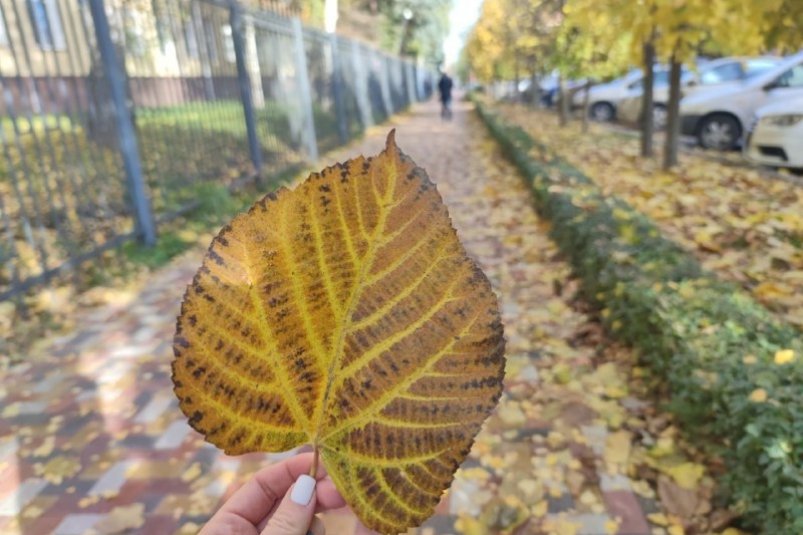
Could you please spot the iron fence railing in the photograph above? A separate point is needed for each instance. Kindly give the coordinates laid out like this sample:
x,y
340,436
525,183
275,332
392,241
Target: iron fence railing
x,y
115,113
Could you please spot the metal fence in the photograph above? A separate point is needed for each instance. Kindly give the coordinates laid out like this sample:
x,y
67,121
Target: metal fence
x,y
115,114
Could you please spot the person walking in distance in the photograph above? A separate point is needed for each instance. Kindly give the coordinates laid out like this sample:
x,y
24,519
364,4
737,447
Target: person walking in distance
x,y
445,90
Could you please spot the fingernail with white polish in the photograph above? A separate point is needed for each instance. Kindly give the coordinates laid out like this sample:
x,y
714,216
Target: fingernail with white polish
x,y
303,489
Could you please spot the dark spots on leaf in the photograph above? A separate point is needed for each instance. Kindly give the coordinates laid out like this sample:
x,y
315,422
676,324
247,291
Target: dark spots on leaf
x,y
182,342
237,438
196,418
274,302
192,319
324,188
325,201
223,241
216,258
307,377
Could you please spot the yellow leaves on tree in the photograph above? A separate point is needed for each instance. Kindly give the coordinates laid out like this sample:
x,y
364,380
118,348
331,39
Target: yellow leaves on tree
x,y
346,314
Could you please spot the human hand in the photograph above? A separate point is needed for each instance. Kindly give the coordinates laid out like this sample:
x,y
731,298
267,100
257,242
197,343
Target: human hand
x,y
279,500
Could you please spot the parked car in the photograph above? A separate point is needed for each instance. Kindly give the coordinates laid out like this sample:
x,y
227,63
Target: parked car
x,y
777,137
629,108
724,70
709,74
604,98
719,117
550,87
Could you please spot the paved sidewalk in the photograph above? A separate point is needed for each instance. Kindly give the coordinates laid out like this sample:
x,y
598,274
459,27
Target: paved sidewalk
x,y
91,439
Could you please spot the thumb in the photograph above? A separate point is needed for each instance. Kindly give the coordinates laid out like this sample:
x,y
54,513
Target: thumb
x,y
294,514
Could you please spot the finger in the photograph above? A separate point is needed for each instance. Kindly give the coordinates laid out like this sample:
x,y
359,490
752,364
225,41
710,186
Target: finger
x,y
362,530
327,496
317,527
254,500
295,512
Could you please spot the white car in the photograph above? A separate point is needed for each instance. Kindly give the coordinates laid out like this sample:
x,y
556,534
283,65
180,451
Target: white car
x,y
721,71
629,108
777,138
603,98
710,74
719,117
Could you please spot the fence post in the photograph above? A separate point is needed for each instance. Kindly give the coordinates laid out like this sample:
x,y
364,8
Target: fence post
x,y
384,85
143,216
243,80
305,94
361,85
337,91
410,76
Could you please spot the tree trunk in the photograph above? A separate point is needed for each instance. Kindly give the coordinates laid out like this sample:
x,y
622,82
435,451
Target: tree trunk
x,y
516,77
101,117
673,118
647,123
586,101
535,90
563,101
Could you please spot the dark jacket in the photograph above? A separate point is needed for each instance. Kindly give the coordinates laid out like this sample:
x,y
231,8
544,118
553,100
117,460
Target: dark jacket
x,y
445,88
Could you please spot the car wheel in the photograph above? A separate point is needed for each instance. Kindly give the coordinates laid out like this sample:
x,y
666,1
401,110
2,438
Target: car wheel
x,y
720,132
659,116
602,112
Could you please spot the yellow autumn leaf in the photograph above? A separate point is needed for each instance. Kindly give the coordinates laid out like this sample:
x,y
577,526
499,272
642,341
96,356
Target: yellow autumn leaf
x,y
659,519
687,474
122,519
675,529
346,314
759,395
784,356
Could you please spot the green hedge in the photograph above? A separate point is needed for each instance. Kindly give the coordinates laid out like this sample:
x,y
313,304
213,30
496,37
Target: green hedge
x,y
691,329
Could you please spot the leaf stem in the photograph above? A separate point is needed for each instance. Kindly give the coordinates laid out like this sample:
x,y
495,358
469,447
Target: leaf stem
x,y
313,471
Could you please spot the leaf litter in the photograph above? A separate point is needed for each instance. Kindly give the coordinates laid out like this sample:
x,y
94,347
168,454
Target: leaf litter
x,y
740,224
577,420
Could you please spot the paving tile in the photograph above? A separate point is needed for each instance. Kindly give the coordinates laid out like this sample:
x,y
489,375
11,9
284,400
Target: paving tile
x,y
77,524
595,435
587,523
610,482
9,448
113,479
31,407
625,506
27,491
173,436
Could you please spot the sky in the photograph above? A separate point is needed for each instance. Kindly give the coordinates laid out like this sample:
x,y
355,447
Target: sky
x,y
462,17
